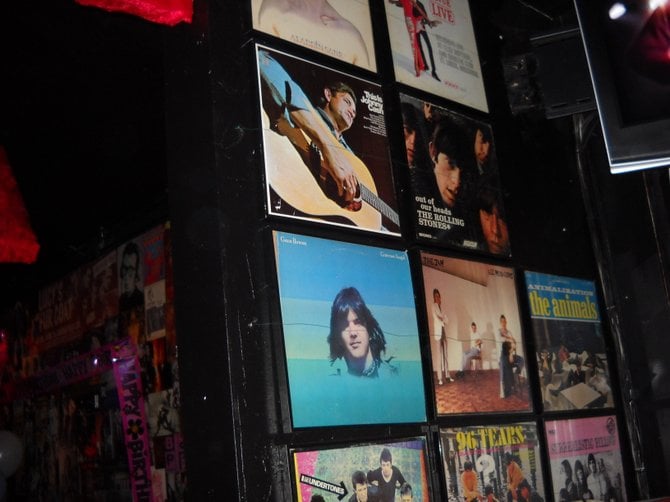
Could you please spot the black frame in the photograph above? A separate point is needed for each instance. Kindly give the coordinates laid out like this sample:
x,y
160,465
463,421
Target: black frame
x,y
632,143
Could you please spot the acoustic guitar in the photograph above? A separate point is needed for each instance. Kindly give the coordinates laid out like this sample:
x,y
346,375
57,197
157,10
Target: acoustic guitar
x,y
295,171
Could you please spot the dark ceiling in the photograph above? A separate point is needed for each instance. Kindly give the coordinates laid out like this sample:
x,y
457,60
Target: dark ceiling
x,y
82,120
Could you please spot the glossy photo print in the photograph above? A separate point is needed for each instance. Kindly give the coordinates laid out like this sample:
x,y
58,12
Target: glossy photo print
x,y
341,29
325,145
350,333
477,349
387,471
434,49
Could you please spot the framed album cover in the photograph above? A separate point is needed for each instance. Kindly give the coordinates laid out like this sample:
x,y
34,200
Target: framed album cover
x,y
574,371
390,470
585,459
493,462
477,350
456,190
434,49
341,29
325,145
350,333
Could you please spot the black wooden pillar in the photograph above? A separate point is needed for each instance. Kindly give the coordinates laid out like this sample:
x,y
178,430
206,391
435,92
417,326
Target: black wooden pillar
x,y
215,187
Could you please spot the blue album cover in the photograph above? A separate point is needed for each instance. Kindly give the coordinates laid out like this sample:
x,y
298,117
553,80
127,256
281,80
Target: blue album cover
x,y
350,332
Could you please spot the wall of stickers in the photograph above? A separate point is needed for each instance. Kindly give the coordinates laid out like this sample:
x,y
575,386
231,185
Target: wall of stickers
x,y
91,380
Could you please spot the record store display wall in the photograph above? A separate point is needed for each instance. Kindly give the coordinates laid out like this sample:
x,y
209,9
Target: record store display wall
x,y
370,304
392,332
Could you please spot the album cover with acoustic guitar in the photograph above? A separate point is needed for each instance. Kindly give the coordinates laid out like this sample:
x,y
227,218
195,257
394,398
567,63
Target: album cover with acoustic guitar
x,y
325,145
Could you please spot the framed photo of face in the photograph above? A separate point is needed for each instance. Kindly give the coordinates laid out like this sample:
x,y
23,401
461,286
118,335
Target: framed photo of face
x,y
349,331
395,470
455,184
477,349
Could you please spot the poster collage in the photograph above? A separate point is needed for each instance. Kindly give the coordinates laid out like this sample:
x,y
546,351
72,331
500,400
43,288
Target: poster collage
x,y
365,339
371,335
90,383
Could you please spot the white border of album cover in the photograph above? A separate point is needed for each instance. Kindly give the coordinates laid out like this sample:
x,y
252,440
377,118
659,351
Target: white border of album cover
x,y
468,303
493,462
350,333
590,445
342,29
436,53
331,472
573,368
319,124
459,203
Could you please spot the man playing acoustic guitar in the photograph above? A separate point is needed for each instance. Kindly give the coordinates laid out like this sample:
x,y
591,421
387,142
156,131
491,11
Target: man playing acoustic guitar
x,y
319,125
326,179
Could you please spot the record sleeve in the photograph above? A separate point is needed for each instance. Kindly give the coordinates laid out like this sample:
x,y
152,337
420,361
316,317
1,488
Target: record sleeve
x,y
325,145
493,463
350,333
340,473
477,350
341,29
585,459
456,190
574,371
434,49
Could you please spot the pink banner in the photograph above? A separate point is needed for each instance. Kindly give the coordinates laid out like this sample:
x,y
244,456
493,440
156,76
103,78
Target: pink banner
x,y
134,419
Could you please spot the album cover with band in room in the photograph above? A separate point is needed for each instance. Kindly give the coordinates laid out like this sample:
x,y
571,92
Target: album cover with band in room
x,y
478,354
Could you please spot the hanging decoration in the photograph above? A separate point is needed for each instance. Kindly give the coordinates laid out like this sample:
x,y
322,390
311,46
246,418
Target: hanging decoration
x,y
168,12
18,243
